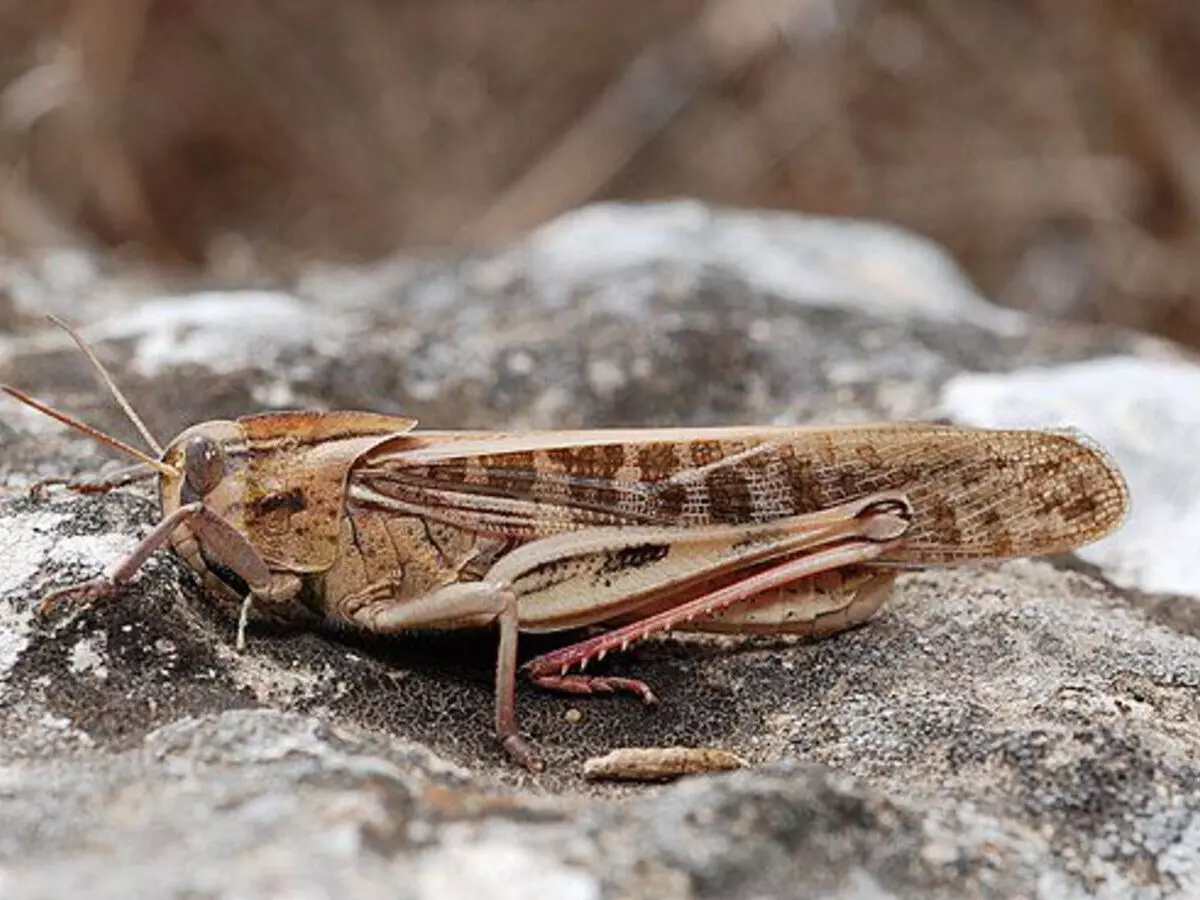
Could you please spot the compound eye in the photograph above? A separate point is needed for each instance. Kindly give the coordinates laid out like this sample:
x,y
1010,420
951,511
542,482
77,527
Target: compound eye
x,y
203,464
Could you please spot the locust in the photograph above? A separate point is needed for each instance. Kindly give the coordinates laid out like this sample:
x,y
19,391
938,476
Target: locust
x,y
364,520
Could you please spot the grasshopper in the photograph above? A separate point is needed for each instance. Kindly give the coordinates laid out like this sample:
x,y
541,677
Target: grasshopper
x,y
362,519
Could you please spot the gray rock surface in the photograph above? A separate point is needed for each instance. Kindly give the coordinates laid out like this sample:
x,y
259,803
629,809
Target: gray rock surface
x,y
1022,729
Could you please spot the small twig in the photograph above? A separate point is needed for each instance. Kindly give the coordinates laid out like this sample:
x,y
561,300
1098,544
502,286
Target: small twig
x,y
659,763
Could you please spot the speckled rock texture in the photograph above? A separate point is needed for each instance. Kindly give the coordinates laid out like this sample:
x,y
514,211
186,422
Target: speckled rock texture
x,y
1025,729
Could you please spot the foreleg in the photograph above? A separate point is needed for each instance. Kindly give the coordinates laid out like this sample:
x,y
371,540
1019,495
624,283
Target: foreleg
x,y
221,540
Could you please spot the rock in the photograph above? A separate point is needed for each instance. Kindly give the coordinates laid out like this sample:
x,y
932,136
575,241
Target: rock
x,y
1018,729
1141,410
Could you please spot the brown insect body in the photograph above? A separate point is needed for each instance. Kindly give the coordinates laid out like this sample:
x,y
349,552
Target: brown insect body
x,y
351,499
365,520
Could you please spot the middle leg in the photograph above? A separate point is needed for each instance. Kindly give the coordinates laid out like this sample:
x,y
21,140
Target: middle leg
x,y
377,609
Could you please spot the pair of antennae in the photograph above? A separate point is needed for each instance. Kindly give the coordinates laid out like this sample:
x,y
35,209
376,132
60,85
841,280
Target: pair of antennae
x,y
157,464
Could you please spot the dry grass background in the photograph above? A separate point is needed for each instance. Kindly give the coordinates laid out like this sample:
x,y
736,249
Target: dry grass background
x,y
1052,145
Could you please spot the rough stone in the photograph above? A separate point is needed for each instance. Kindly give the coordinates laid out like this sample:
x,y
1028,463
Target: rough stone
x,y
1018,729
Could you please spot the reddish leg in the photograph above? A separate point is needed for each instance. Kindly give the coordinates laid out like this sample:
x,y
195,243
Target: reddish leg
x,y
228,545
117,479
596,684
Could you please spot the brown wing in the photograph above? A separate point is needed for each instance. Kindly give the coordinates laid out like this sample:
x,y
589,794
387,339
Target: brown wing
x,y
977,493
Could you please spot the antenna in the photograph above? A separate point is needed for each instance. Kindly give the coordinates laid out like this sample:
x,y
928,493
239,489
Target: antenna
x,y
161,467
107,381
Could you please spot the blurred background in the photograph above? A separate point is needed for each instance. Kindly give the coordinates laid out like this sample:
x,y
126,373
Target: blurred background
x,y
1053,146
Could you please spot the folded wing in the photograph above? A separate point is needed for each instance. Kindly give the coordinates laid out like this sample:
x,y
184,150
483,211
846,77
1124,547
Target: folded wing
x,y
977,493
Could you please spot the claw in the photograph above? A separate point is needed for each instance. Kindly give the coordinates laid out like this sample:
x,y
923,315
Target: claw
x,y
597,684
82,593
520,752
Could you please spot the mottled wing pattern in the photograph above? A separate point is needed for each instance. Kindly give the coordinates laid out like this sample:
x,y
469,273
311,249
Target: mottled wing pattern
x,y
977,493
